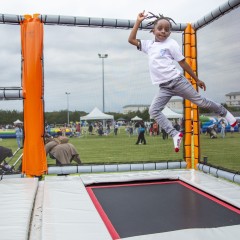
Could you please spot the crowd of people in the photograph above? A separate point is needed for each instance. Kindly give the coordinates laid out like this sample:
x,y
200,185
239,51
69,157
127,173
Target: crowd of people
x,y
56,147
104,128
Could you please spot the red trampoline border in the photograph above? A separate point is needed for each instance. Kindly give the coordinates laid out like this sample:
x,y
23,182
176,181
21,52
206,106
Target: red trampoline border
x,y
103,215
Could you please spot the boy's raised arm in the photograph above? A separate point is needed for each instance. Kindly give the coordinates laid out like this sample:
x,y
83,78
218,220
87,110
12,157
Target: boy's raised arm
x,y
186,67
133,35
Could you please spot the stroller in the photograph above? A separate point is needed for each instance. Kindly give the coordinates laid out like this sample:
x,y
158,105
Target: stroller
x,y
5,167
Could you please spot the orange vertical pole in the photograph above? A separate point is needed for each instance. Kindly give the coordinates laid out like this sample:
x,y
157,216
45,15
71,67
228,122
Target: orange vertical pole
x,y
34,157
187,103
195,109
191,142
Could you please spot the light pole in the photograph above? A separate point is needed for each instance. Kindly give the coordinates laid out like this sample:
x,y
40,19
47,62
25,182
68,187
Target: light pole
x,y
67,93
102,56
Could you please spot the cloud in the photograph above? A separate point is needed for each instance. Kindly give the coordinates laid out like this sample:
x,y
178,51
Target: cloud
x,y
71,61
72,64
10,54
181,10
218,57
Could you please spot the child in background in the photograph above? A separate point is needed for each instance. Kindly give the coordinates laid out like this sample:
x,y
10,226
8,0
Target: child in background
x,y
141,130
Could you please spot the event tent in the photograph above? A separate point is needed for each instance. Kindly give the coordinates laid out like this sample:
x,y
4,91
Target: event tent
x,y
136,118
96,114
170,113
18,122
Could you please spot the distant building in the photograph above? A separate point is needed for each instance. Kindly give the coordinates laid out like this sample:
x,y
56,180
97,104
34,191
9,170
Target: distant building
x,y
175,104
135,108
233,99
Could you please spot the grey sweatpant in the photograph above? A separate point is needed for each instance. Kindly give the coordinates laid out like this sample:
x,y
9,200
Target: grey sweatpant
x,y
179,87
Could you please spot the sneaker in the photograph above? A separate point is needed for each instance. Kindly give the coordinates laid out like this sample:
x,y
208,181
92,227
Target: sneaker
x,y
231,119
177,141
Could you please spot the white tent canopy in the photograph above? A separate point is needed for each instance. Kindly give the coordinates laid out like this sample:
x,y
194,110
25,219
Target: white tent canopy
x,y
170,113
96,114
136,118
18,122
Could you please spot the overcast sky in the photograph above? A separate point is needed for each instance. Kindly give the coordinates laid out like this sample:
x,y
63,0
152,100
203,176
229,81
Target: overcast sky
x,y
71,62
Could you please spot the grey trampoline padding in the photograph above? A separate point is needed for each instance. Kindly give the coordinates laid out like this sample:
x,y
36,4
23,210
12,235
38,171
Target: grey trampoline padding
x,y
16,203
68,212
158,208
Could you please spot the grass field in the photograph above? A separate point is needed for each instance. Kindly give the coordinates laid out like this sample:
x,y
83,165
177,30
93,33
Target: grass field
x,y
223,152
94,149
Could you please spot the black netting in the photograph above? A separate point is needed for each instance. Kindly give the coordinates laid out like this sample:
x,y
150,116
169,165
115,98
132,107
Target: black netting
x,y
218,66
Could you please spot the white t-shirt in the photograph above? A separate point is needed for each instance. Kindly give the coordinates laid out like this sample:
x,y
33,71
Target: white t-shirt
x,y
161,56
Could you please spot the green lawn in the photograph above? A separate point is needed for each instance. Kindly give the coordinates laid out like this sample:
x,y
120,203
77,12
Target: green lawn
x,y
94,149
224,152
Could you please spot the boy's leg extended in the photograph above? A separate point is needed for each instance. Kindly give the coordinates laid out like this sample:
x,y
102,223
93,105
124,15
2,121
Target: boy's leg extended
x,y
185,89
155,110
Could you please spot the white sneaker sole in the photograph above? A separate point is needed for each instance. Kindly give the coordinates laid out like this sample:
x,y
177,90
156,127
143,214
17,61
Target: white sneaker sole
x,y
179,142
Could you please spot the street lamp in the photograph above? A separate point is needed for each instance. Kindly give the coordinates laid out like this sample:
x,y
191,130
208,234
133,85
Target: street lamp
x,y
67,93
102,56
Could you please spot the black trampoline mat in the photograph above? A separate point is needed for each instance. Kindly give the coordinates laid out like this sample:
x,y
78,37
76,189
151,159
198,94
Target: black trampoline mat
x,y
148,208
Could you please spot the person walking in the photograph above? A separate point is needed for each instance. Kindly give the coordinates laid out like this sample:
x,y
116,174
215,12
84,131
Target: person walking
x,y
78,129
141,131
115,129
19,135
223,128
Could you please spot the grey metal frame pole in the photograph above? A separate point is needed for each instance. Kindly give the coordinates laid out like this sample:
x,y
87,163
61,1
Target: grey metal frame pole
x,y
103,84
85,21
11,93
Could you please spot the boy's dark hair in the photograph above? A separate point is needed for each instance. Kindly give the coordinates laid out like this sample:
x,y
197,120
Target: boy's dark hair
x,y
157,18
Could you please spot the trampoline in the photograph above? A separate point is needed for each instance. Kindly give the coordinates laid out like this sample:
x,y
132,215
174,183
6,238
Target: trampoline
x,y
143,208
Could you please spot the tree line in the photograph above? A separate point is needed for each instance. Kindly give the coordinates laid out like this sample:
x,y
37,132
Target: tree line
x,y
60,117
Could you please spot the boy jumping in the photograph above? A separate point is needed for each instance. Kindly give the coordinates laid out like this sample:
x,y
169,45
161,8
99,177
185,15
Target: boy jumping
x,y
162,51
